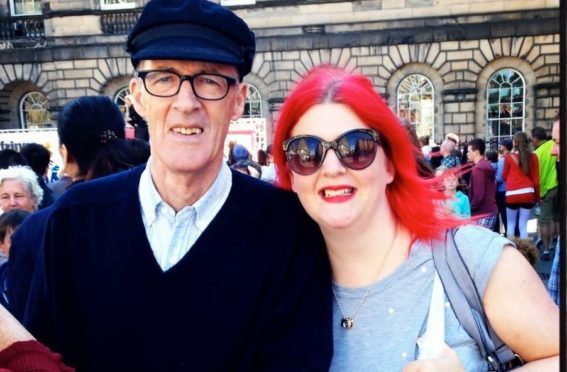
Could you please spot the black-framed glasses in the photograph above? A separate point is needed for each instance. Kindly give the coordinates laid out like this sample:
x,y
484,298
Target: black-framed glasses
x,y
166,83
356,149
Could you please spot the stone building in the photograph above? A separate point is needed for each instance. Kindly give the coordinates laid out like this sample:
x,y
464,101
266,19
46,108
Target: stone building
x,y
478,68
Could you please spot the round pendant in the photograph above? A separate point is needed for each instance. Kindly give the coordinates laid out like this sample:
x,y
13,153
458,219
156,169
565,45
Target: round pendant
x,y
347,322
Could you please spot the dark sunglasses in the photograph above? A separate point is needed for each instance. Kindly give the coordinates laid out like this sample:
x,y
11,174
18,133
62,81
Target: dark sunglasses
x,y
356,149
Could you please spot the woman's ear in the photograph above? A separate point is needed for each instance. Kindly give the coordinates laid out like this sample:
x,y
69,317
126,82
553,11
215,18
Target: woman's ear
x,y
64,153
390,171
70,166
292,180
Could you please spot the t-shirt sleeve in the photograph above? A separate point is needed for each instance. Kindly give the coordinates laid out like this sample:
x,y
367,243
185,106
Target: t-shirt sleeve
x,y
481,249
31,356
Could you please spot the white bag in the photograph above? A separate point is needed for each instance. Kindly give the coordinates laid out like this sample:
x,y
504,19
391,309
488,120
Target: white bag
x,y
430,345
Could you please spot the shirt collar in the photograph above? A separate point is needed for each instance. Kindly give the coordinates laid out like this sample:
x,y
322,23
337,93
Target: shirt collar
x,y
205,207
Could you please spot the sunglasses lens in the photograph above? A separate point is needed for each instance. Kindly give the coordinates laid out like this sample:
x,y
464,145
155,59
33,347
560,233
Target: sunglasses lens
x,y
304,155
357,149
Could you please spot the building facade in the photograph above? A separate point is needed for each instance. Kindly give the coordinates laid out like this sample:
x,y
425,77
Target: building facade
x,y
478,68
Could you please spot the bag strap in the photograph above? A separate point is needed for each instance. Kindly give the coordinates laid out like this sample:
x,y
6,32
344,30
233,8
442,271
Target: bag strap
x,y
466,302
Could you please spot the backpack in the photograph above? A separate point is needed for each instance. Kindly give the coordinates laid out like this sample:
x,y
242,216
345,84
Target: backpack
x,y
467,305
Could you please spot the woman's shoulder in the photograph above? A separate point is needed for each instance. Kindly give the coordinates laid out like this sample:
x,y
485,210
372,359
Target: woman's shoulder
x,y
480,248
461,195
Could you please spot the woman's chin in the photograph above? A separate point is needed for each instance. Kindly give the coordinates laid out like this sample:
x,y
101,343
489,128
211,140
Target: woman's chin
x,y
335,223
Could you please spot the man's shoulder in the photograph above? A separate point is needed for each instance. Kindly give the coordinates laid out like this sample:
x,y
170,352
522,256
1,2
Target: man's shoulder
x,y
543,149
256,189
262,198
104,190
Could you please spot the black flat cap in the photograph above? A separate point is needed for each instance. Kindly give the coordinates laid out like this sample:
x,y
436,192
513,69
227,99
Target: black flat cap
x,y
196,30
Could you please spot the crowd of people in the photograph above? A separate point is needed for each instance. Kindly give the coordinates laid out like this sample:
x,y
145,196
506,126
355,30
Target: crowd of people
x,y
317,256
506,188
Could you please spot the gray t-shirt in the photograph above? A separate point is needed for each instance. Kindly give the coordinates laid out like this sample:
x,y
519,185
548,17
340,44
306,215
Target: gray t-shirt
x,y
394,315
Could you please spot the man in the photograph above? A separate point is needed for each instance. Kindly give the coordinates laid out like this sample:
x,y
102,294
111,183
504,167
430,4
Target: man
x,y
156,269
554,280
450,159
38,158
482,187
504,149
549,211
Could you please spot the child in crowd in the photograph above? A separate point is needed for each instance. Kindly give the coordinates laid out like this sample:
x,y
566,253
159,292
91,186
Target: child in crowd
x,y
459,202
9,222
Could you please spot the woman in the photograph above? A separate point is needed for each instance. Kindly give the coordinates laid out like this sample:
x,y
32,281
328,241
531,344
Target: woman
x,y
342,150
19,189
521,174
92,144
92,138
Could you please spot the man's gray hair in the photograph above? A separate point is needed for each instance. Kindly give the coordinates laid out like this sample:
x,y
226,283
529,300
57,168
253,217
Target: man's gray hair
x,y
27,176
448,146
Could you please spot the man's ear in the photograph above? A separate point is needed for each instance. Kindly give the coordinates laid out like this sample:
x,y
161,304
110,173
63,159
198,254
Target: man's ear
x,y
239,101
135,96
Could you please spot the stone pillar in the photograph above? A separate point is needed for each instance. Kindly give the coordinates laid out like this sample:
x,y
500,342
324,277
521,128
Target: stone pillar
x,y
459,112
546,103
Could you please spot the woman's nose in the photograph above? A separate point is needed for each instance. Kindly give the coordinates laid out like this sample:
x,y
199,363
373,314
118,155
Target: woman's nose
x,y
332,166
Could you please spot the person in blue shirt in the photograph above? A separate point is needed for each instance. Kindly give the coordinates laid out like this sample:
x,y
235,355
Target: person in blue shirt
x,y
458,202
504,149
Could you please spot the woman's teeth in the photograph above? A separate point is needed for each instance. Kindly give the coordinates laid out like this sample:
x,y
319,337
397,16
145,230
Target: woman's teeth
x,y
340,192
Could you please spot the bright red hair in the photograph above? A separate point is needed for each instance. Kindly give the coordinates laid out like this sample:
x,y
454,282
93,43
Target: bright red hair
x,y
413,200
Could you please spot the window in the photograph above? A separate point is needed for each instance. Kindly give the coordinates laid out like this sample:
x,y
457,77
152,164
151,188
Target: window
x,y
117,4
34,111
25,7
505,100
253,105
416,103
120,99
237,2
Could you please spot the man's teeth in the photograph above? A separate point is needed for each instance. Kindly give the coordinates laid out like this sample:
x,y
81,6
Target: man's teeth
x,y
188,130
332,193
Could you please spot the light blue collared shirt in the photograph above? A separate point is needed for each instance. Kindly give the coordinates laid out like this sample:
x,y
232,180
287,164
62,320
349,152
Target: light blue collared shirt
x,y
171,234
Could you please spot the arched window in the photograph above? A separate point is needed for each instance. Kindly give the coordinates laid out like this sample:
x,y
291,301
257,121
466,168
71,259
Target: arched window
x,y
34,111
416,103
25,7
253,105
119,99
505,101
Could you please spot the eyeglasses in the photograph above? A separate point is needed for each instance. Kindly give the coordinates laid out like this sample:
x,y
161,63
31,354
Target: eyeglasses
x,y
356,149
207,86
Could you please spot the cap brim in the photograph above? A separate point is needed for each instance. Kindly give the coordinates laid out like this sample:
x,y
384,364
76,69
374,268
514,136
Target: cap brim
x,y
186,48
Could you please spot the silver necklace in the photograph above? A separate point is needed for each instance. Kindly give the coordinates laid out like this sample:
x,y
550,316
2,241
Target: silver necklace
x,y
347,322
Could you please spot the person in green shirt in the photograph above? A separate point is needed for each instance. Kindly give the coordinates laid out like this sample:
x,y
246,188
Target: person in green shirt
x,y
549,207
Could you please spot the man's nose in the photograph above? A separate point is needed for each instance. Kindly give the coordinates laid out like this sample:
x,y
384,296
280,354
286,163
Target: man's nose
x,y
186,97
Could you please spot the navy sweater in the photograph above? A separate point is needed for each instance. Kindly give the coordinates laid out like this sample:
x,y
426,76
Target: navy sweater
x,y
253,293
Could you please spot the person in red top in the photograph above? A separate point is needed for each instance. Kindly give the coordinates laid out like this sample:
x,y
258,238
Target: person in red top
x,y
20,351
521,173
